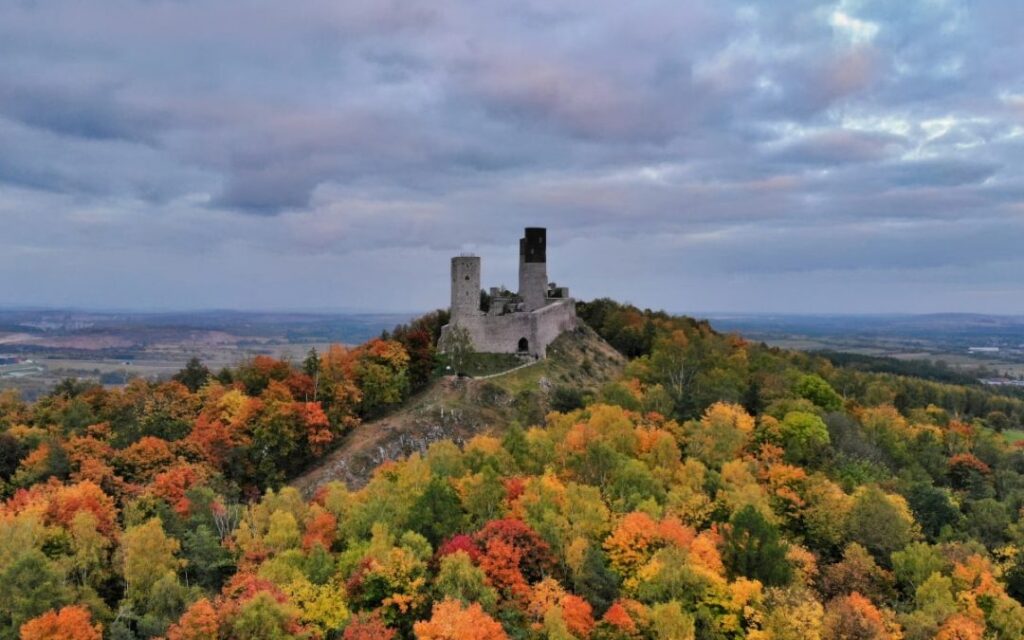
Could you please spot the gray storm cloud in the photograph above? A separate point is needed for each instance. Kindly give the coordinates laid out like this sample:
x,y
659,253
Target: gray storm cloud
x,y
795,155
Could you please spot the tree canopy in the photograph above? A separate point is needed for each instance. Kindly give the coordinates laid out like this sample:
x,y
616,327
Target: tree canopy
x,y
719,490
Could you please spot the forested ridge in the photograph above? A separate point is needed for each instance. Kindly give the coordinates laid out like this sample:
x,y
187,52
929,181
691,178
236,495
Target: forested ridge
x,y
720,489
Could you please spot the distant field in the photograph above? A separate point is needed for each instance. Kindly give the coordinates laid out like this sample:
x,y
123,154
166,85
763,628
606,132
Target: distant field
x,y
113,348
938,338
117,346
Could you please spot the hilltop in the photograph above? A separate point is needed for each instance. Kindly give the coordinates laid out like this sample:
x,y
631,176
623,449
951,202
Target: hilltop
x,y
458,408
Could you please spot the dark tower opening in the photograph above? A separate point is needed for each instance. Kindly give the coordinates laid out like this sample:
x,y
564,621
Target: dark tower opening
x,y
524,345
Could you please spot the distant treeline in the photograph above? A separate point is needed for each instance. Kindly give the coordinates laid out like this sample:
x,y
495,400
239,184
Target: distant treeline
x,y
938,371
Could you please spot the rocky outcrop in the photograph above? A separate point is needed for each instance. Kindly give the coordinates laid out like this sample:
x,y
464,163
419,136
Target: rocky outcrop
x,y
457,409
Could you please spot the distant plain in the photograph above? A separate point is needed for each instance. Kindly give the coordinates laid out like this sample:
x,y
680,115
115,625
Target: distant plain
x,y
38,348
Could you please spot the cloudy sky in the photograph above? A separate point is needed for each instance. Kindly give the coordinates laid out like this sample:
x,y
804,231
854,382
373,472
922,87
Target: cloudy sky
x,y
691,155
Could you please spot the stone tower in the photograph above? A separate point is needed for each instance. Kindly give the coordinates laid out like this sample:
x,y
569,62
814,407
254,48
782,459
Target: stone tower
x,y
523,323
465,286
533,268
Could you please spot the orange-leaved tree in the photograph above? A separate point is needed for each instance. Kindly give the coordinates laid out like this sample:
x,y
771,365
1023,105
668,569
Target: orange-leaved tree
x,y
199,622
452,621
70,623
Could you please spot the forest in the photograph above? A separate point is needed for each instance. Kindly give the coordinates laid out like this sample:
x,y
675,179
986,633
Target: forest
x,y
721,489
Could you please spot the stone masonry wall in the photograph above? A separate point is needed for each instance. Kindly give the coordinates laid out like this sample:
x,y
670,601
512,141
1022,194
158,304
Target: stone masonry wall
x,y
501,334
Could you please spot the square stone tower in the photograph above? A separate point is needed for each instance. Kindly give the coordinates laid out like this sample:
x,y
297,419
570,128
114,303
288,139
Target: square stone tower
x,y
533,268
465,286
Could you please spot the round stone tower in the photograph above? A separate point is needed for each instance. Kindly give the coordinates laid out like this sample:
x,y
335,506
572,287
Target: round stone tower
x,y
465,286
533,268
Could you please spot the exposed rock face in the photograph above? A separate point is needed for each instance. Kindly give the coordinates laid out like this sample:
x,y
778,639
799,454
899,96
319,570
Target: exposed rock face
x,y
394,442
453,409
457,409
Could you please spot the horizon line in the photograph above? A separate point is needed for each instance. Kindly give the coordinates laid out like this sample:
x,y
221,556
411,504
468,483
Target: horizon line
x,y
348,311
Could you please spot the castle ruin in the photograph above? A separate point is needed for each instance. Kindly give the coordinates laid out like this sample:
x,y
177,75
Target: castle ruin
x,y
525,322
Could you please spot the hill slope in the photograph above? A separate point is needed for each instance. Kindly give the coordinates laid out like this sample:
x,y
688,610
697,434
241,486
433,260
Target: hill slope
x,y
459,408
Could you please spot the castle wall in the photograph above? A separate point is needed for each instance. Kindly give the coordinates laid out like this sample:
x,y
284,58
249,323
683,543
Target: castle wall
x,y
501,334
552,321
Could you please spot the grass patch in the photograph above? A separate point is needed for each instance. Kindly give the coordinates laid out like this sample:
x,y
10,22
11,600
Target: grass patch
x,y
485,364
578,359
525,378
1013,435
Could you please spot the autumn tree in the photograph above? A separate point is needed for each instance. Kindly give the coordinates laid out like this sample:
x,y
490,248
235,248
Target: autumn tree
x,y
720,435
452,621
793,613
88,563
458,579
816,389
961,627
632,542
321,529
535,553
337,388
70,500
577,614
880,522
47,460
670,622
854,617
257,374
147,555
966,470
804,436
263,617
915,563
145,458
199,622
419,344
382,373
70,623
857,571
30,585
368,626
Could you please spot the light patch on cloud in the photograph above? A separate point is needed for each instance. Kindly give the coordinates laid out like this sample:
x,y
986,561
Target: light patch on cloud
x,y
858,31
835,147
